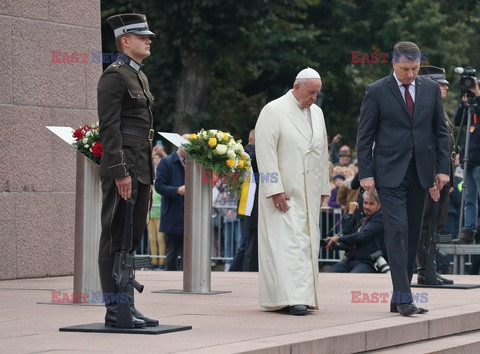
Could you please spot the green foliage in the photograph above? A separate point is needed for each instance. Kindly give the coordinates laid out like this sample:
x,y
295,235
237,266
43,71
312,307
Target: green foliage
x,y
248,52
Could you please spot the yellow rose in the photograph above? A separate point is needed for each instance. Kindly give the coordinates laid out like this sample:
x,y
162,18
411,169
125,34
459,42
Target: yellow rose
x,y
212,142
230,162
193,136
243,156
240,163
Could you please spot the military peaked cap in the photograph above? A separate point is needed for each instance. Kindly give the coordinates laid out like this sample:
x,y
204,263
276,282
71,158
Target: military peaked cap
x,y
129,23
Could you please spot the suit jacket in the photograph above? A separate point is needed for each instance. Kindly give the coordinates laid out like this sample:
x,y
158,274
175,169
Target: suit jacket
x,y
388,137
368,240
124,99
171,175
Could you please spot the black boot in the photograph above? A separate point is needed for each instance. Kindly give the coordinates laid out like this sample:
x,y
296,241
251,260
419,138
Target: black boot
x,y
111,295
421,277
466,237
150,322
440,280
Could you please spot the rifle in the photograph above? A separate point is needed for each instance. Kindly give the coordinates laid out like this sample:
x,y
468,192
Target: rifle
x,y
431,246
124,264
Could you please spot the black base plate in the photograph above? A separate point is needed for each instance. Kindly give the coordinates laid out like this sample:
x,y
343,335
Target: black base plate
x,y
175,291
447,286
101,328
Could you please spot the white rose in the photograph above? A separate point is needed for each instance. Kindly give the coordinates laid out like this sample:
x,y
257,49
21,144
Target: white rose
x,y
204,135
231,154
88,133
221,149
213,131
239,149
85,140
220,136
86,146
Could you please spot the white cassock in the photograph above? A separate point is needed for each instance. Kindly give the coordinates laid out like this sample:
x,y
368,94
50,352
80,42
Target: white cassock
x,y
291,147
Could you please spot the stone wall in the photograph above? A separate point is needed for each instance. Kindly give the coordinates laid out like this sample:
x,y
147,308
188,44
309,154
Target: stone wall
x,y
37,169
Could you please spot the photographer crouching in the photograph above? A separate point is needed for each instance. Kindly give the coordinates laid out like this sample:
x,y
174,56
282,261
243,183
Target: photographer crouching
x,y
362,239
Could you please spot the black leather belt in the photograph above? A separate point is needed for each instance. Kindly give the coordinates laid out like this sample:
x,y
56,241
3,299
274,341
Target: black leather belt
x,y
138,132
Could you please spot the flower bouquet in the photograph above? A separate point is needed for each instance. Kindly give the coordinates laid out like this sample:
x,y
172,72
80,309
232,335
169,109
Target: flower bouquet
x,y
221,153
87,141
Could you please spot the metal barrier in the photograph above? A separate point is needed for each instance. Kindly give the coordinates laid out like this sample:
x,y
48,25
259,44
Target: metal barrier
x,y
227,236
330,225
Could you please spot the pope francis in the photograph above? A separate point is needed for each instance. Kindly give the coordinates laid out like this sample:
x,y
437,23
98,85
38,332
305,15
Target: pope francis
x,y
292,156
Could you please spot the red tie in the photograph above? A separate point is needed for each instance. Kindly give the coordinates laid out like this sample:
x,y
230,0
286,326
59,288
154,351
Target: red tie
x,y
364,221
409,100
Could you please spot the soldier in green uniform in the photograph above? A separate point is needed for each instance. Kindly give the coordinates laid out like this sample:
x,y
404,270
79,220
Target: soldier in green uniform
x,y
125,117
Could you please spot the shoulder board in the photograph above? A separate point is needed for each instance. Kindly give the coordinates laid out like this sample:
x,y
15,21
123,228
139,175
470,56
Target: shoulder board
x,y
117,64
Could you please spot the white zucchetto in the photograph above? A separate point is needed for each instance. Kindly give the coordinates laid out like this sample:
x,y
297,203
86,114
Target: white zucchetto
x,y
308,73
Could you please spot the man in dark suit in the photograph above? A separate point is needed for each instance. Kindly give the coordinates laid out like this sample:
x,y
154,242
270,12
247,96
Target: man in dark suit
x,y
361,237
170,183
402,142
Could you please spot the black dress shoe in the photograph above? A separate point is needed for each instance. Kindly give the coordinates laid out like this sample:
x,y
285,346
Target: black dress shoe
x,y
149,322
111,319
297,310
393,309
407,309
440,280
445,280
421,280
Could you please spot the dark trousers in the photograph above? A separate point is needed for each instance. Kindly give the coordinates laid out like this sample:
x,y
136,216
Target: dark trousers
x,y
402,218
246,257
250,263
427,215
113,218
352,266
174,250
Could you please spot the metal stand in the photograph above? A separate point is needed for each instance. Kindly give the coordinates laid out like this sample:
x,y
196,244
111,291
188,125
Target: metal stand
x,y
197,231
470,108
88,204
87,227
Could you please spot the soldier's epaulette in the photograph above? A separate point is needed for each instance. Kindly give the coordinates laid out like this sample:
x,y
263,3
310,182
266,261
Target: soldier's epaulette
x,y
117,64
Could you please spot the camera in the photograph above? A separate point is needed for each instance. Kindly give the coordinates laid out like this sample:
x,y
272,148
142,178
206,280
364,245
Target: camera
x,y
380,264
467,79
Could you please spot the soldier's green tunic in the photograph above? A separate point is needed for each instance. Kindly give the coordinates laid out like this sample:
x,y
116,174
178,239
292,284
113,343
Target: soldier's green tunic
x,y
125,116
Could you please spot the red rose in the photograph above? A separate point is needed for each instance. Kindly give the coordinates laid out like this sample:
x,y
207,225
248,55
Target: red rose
x,y
86,127
97,150
78,134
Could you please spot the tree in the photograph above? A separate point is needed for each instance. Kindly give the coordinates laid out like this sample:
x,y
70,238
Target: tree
x,y
215,63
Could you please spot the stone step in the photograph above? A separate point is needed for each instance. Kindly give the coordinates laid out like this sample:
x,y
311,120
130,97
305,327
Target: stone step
x,y
465,343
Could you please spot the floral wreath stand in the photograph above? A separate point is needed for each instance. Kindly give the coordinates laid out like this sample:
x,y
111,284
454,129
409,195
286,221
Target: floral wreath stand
x,y
88,204
197,227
